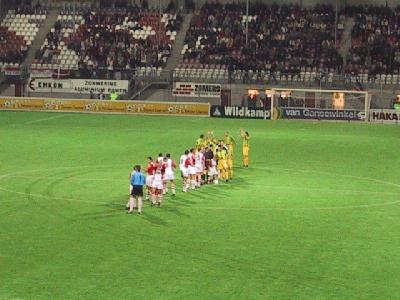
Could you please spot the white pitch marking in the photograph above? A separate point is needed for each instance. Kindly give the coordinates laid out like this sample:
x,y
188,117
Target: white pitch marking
x,y
232,208
298,208
279,187
42,120
333,174
76,178
50,197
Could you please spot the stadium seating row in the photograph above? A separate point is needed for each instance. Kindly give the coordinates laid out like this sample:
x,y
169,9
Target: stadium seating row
x,y
285,36
243,76
17,32
285,42
112,39
375,45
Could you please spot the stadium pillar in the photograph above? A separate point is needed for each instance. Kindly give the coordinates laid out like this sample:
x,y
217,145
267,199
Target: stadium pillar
x,y
159,25
336,21
247,22
74,15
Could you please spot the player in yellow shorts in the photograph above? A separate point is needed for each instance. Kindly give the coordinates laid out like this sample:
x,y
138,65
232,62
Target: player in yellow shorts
x,y
229,162
246,147
221,154
230,143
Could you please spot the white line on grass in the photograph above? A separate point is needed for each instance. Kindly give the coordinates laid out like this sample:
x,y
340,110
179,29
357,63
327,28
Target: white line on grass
x,y
228,208
278,187
216,207
49,197
334,174
41,120
299,208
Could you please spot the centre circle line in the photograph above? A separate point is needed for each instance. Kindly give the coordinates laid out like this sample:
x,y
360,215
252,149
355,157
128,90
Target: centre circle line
x,y
220,208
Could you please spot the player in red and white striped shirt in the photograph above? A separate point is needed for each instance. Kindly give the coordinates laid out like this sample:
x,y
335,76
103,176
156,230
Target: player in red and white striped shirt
x,y
184,171
199,165
170,167
151,168
192,168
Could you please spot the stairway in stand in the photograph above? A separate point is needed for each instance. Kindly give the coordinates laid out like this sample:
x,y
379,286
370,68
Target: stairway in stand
x,y
176,55
41,35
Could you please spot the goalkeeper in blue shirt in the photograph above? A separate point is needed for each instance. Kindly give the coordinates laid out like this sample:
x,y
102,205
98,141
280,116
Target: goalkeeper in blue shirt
x,y
138,180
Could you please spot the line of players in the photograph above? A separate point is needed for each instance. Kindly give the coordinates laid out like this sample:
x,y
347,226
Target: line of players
x,y
207,163
160,173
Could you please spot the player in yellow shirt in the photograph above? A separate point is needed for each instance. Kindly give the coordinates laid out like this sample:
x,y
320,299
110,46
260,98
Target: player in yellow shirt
x,y
221,154
211,141
200,142
230,143
229,162
246,147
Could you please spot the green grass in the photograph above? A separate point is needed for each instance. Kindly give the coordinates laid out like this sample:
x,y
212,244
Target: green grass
x,y
316,216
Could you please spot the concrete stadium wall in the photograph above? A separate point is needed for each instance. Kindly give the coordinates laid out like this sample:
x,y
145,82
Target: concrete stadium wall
x,y
166,95
379,98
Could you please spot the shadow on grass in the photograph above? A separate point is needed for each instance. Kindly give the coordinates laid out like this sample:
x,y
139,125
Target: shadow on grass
x,y
175,211
152,218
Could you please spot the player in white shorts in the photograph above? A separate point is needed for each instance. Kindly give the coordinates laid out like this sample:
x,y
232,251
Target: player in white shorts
x,y
170,173
151,168
212,172
192,169
199,161
160,158
184,171
186,174
182,160
157,186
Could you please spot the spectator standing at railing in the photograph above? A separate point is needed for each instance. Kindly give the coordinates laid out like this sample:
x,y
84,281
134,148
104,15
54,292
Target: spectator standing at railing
x,y
113,96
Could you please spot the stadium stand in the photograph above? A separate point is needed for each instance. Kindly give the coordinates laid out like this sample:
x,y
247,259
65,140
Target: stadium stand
x,y
375,52
54,51
18,30
105,41
284,43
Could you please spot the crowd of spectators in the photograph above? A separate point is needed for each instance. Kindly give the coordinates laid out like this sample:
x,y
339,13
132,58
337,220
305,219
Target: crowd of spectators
x,y
13,45
284,39
106,39
375,41
280,38
28,9
13,49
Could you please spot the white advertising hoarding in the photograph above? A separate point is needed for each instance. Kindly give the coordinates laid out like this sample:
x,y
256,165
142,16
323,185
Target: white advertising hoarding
x,y
202,90
82,86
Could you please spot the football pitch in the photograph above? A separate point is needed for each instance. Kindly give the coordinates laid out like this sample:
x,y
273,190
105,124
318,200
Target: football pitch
x,y
315,216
